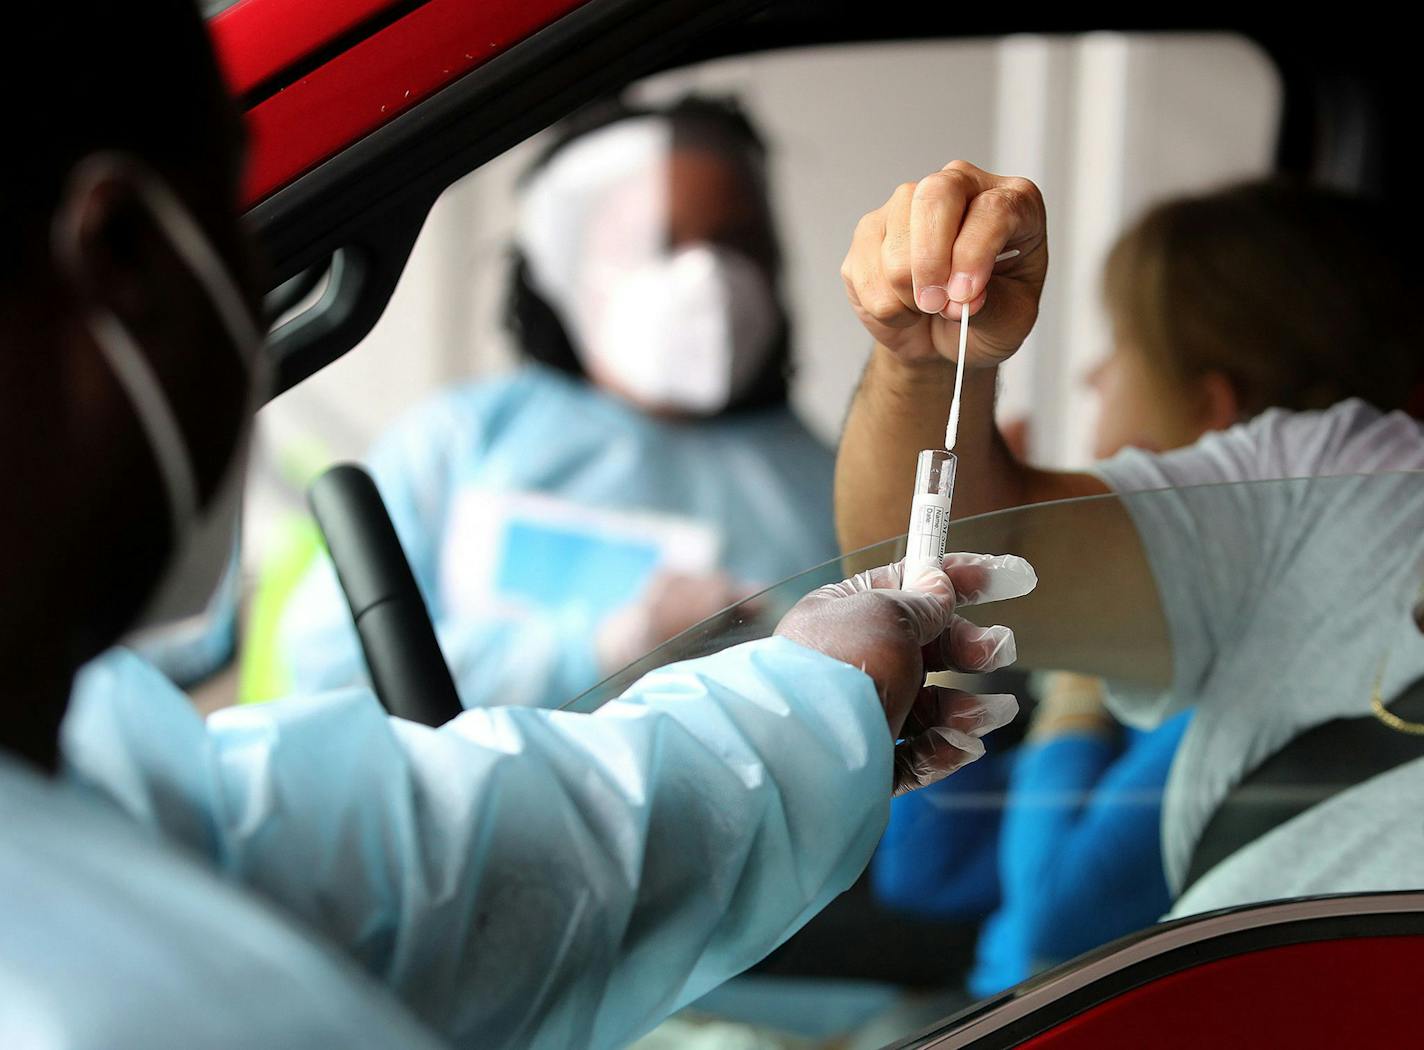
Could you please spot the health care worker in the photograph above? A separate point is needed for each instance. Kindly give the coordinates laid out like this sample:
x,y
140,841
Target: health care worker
x,y
313,873
1214,307
643,469
1269,609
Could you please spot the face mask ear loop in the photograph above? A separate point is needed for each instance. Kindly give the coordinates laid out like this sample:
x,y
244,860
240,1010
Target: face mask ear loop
x,y
192,244
139,382
155,415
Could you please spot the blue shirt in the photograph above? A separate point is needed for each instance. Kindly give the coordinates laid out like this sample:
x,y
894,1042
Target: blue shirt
x,y
1080,851
1056,846
940,852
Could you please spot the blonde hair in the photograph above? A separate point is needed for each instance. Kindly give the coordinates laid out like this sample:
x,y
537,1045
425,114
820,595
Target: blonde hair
x,y
1300,296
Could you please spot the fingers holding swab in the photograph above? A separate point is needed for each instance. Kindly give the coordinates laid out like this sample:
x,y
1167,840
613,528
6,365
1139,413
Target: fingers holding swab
x,y
951,430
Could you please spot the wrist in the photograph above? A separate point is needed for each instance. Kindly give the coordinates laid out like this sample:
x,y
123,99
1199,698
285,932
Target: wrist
x,y
1063,725
1071,704
911,375
915,379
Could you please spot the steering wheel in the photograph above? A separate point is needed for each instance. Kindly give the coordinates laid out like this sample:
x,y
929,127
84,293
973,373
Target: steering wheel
x,y
408,671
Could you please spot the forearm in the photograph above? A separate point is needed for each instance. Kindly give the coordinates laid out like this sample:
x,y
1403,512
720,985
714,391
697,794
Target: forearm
x,y
682,834
901,408
523,877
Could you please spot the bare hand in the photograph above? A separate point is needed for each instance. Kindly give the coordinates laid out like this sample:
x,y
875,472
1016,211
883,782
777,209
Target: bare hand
x,y
917,262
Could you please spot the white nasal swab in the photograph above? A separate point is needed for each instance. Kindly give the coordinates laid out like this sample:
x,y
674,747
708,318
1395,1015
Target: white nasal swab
x,y
951,431
934,478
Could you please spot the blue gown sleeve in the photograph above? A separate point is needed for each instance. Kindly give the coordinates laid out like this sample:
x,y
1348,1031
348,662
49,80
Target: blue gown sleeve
x,y
521,877
1081,856
538,661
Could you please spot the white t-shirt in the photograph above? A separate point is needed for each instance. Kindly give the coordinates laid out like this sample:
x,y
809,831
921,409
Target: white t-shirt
x,y
1285,600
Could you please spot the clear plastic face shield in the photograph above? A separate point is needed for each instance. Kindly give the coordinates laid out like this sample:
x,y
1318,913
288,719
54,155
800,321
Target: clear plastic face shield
x,y
205,534
673,326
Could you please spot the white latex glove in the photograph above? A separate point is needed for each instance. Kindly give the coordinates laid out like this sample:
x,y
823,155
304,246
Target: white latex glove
x,y
897,633
670,604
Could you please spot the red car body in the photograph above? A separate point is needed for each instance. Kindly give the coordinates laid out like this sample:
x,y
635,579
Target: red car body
x,y
313,82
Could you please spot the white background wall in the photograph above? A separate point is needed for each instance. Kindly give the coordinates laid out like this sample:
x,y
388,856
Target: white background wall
x,y
1104,123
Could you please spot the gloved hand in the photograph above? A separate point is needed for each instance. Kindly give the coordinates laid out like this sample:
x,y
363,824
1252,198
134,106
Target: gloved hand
x,y
896,633
670,604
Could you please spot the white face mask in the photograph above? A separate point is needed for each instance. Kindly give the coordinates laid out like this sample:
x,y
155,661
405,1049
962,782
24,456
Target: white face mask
x,y
204,536
689,331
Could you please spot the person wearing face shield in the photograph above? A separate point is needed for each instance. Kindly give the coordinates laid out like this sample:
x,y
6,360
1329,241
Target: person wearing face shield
x,y
312,873
642,470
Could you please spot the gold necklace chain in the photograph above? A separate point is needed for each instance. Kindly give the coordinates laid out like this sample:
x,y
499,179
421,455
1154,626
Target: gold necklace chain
x,y
1389,718
1384,714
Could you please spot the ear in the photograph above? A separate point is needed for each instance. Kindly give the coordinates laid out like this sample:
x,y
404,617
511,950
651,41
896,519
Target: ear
x,y
1221,408
109,250
117,258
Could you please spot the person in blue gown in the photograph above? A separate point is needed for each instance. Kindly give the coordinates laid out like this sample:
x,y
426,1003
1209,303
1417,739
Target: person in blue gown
x,y
642,469
312,873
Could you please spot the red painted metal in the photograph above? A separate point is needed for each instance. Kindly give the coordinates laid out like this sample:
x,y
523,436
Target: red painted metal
x,y
1356,992
362,88
258,39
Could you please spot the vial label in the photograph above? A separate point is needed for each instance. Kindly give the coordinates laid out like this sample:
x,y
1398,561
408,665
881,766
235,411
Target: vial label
x,y
929,526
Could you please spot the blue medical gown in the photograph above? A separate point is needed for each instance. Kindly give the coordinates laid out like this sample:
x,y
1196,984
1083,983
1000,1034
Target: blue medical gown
x,y
517,878
111,942
758,483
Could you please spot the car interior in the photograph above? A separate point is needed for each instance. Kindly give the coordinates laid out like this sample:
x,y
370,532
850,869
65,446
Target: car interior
x,y
389,140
